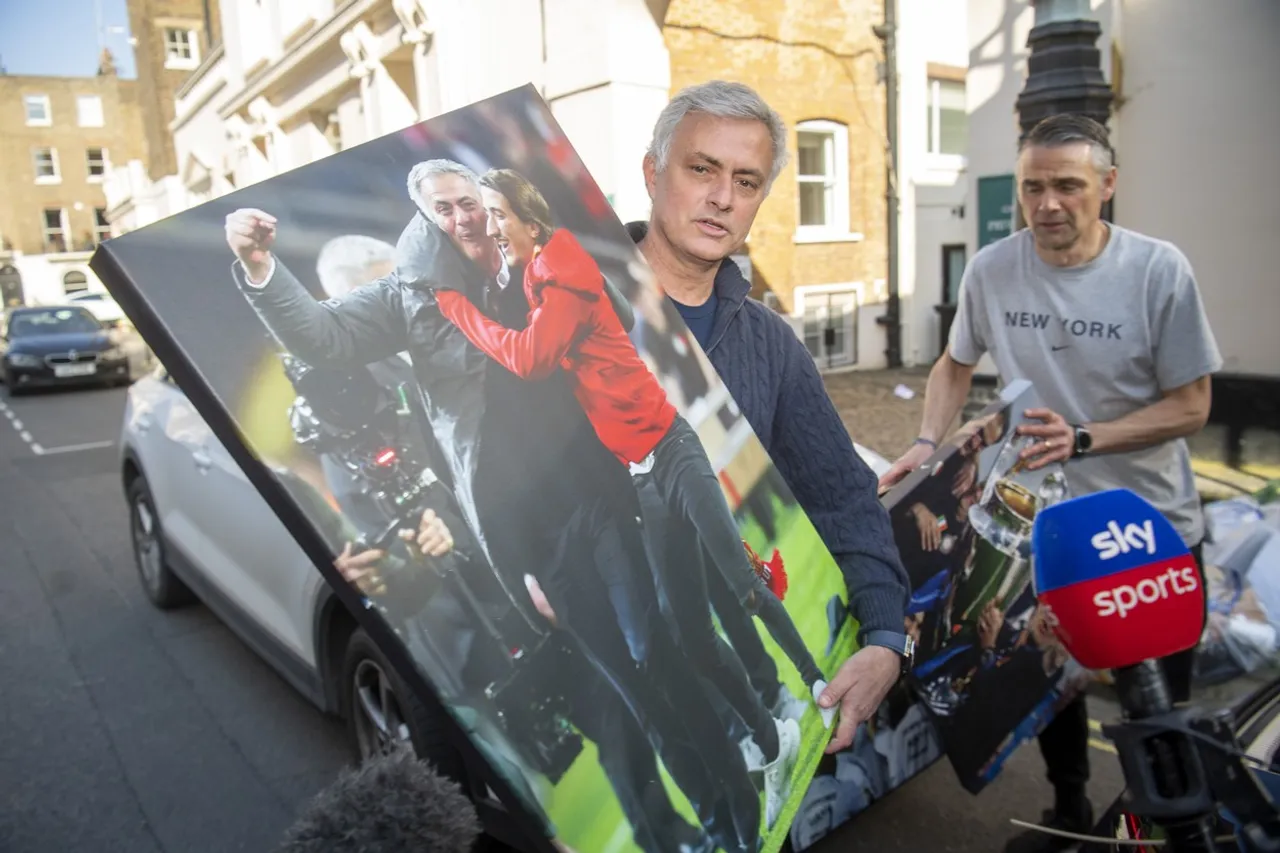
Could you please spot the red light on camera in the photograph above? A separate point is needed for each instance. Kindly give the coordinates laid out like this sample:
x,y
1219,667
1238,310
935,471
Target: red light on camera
x,y
384,457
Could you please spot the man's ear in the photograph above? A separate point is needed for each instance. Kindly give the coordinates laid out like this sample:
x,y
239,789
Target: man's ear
x,y
650,167
1109,184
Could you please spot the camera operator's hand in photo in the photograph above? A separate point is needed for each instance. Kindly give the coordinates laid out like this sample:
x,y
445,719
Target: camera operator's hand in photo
x,y
432,537
916,456
251,233
361,569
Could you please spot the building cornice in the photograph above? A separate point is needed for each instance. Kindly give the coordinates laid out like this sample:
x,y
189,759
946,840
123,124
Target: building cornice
x,y
304,49
201,70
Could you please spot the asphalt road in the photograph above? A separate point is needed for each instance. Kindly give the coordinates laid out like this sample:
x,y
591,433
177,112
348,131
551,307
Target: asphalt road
x,y
128,729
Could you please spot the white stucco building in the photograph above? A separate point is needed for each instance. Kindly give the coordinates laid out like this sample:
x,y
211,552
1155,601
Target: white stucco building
x,y
296,81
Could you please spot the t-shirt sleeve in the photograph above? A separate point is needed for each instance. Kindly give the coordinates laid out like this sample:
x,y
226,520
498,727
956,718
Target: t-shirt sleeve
x,y
967,340
1185,347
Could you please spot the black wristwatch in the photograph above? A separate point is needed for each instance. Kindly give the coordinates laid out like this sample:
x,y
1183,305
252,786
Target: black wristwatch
x,y
1084,440
903,644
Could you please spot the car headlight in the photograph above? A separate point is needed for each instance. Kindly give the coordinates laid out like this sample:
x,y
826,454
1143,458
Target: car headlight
x,y
22,359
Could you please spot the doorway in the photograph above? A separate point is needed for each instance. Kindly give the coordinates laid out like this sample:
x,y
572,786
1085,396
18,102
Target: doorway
x,y
11,287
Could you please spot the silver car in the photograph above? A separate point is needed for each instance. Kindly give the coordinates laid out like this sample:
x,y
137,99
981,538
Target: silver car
x,y
201,530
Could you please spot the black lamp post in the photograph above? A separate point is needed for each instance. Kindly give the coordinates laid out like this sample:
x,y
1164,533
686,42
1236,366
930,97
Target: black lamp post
x,y
1064,69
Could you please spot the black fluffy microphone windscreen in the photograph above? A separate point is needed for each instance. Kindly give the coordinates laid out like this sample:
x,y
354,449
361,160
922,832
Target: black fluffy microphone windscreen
x,y
391,804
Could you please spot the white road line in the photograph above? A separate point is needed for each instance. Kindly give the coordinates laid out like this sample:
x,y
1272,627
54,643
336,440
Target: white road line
x,y
26,436
17,425
71,448
8,413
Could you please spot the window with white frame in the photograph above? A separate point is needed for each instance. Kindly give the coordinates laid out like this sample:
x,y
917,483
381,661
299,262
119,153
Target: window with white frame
x,y
101,227
822,175
75,282
38,111
181,49
46,166
55,229
948,121
96,162
89,111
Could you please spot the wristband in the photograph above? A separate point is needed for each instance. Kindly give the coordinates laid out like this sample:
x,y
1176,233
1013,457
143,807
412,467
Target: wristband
x,y
933,445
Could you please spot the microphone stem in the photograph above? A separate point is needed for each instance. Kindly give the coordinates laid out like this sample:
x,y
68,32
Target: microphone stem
x,y
1143,693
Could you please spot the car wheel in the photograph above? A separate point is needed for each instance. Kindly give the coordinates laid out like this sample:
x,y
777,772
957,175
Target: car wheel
x,y
161,585
383,714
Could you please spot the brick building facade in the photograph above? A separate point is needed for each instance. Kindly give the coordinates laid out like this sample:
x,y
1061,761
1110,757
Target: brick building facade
x,y
819,243
173,37
62,135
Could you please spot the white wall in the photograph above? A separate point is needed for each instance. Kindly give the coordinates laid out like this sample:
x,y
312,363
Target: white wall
x,y
1197,159
932,187
42,275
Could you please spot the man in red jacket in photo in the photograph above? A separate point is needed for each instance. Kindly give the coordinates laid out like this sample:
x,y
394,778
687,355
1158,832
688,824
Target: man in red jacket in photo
x,y
573,326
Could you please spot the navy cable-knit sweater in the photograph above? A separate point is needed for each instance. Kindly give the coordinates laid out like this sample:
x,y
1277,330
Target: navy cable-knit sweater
x,y
775,383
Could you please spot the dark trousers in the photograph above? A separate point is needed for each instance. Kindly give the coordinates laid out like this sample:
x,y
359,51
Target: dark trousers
x,y
628,761
738,626
680,574
683,483
1064,743
662,692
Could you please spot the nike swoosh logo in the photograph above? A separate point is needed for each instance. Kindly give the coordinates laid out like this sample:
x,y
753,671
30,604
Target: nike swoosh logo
x,y
1064,346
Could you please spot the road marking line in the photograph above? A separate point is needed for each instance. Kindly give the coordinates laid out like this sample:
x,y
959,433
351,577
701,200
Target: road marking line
x,y
71,448
8,413
17,425
1102,745
26,436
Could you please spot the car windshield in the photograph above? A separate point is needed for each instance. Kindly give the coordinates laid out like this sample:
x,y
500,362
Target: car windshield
x,y
54,321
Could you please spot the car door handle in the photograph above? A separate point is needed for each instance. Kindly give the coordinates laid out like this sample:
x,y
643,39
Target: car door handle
x,y
203,461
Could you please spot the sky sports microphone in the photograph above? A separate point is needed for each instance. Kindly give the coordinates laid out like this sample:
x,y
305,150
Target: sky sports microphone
x,y
395,803
1122,590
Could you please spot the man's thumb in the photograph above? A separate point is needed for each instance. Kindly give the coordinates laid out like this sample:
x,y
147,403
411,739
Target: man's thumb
x,y
836,689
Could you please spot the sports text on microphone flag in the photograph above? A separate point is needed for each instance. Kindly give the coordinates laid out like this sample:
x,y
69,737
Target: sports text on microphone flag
x,y
1119,580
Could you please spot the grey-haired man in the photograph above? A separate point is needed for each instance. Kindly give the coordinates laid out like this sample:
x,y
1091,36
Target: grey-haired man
x,y
717,148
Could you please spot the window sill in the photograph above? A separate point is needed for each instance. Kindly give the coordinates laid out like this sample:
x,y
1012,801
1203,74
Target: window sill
x,y
173,64
48,181
802,238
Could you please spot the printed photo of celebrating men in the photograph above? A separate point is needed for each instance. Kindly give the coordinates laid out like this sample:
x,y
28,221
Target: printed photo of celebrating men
x,y
444,346
988,667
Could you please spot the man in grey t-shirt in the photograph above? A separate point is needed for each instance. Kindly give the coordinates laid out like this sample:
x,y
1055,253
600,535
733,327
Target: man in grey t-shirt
x,y
1108,324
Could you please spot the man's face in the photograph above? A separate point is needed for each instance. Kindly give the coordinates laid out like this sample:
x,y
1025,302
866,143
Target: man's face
x,y
516,239
706,198
453,203
1061,193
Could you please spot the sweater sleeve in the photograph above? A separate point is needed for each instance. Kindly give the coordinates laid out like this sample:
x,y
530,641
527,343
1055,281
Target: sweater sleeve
x,y
838,491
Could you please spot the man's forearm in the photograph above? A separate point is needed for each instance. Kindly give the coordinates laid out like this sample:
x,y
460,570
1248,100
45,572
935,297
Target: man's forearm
x,y
944,396
1178,415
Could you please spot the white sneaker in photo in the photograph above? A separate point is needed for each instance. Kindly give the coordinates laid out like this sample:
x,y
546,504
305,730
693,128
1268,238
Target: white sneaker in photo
x,y
828,714
752,754
777,774
789,706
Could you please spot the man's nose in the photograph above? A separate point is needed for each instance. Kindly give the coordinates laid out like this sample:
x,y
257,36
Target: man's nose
x,y
721,194
491,227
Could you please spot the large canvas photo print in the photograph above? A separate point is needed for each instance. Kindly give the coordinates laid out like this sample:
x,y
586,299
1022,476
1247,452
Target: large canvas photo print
x,y
442,360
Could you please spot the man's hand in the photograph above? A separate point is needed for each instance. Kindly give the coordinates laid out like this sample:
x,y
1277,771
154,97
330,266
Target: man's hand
x,y
859,688
907,462
251,233
361,569
432,537
989,625
1057,439
930,532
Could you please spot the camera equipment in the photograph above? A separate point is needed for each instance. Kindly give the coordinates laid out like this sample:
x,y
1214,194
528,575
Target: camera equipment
x,y
362,427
